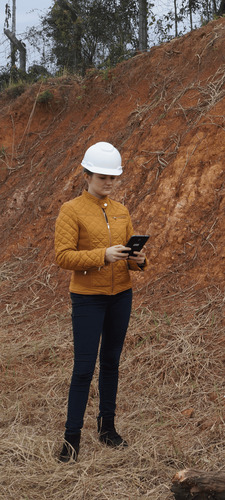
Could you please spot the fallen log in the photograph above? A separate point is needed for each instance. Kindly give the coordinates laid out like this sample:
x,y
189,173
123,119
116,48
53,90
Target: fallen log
x,y
192,484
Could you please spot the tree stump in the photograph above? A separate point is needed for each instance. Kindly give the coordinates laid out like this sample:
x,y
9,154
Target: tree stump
x,y
197,485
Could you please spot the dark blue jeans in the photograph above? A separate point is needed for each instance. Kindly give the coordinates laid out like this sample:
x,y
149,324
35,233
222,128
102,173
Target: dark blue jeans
x,y
96,317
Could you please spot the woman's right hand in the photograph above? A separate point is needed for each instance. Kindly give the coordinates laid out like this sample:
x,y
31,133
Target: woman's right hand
x,y
117,252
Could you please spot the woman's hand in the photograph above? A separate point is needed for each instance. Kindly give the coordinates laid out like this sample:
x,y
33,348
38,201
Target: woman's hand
x,y
139,258
117,252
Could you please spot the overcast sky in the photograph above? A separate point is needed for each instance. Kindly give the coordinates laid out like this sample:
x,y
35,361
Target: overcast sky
x,y
27,15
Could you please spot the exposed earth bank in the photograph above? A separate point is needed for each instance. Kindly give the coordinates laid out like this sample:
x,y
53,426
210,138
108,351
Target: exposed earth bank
x,y
164,110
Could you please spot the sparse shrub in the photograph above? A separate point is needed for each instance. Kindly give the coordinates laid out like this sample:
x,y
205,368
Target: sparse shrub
x,y
16,89
37,72
45,97
105,73
16,80
11,76
4,78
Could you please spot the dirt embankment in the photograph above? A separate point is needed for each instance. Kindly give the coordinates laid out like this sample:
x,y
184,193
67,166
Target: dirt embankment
x,y
164,110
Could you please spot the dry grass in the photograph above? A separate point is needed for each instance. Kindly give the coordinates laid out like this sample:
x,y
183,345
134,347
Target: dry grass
x,y
170,401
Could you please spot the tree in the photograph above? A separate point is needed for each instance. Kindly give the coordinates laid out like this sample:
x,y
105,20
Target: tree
x,y
212,8
63,24
143,37
221,10
189,7
122,31
175,17
90,32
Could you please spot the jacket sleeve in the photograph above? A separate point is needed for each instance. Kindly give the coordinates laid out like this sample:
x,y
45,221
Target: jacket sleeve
x,y
66,242
133,266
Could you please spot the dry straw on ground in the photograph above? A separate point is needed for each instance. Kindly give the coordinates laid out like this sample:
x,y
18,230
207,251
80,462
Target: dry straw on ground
x,y
170,401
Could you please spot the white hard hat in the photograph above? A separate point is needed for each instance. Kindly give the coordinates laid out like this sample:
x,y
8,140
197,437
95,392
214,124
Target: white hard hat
x,y
102,158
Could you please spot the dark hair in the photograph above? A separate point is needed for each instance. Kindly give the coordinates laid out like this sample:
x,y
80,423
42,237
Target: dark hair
x,y
86,171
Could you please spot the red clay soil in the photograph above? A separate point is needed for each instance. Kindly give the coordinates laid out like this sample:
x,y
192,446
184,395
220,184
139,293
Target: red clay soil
x,y
165,111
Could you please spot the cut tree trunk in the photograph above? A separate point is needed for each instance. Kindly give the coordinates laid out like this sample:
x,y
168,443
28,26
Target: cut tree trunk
x,y
198,485
18,46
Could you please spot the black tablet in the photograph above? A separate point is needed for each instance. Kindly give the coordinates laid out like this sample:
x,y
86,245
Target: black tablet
x,y
136,243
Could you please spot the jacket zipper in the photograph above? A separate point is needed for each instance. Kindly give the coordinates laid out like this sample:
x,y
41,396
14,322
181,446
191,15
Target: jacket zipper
x,y
110,242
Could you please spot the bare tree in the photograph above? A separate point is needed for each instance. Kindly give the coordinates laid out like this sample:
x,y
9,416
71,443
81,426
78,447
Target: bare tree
x,y
15,43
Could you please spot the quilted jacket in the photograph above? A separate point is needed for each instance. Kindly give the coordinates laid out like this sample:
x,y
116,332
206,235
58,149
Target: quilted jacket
x,y
85,227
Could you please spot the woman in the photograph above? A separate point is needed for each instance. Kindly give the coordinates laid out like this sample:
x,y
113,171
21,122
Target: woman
x,y
91,234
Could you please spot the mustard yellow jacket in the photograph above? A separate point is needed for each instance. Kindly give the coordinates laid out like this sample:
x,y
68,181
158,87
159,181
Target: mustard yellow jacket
x,y
85,227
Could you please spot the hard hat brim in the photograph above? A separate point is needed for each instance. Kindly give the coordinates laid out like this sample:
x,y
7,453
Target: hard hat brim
x,y
103,171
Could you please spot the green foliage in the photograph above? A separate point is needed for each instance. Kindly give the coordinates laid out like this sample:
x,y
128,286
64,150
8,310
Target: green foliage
x,y
4,78
14,81
45,97
2,152
8,15
90,32
11,76
183,16
76,35
37,72
64,26
105,73
16,89
163,29
207,9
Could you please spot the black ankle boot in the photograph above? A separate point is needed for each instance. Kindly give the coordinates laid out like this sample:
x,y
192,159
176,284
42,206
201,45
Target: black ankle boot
x,y
70,447
107,432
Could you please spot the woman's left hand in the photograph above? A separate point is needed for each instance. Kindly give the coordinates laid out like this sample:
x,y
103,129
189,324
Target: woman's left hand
x,y
138,257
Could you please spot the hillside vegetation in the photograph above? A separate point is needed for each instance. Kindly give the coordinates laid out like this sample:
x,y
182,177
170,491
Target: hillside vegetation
x,y
164,110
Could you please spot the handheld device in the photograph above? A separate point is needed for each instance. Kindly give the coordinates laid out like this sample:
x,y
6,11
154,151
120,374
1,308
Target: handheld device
x,y
136,243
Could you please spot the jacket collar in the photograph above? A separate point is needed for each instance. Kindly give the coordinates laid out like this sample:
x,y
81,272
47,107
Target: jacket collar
x,y
102,202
